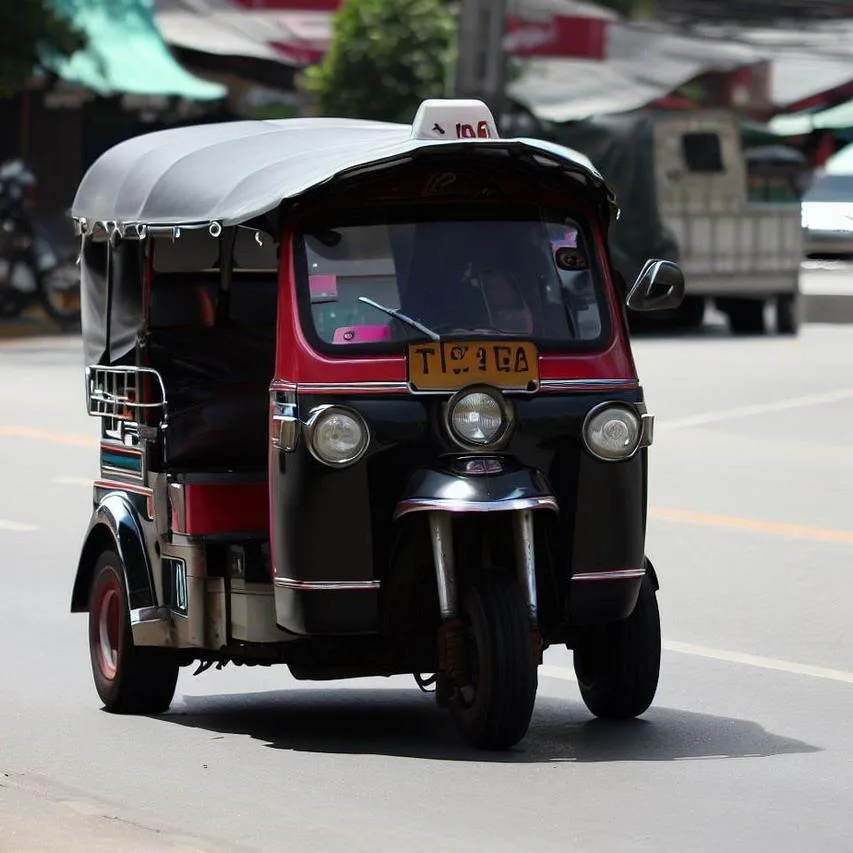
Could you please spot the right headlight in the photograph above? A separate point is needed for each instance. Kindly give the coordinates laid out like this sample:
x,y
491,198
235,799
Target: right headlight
x,y
612,432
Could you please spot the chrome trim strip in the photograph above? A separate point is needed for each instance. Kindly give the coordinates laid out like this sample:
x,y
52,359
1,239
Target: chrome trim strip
x,y
577,384
615,575
327,586
350,387
450,505
401,387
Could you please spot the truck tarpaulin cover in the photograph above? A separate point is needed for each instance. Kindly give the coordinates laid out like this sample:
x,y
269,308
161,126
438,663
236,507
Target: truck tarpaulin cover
x,y
622,148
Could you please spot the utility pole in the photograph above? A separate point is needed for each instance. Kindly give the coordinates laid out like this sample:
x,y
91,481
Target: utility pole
x,y
481,64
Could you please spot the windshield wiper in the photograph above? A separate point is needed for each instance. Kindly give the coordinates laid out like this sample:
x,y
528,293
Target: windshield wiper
x,y
403,318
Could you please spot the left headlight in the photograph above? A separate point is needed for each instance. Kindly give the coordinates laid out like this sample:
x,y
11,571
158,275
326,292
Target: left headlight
x,y
337,436
612,432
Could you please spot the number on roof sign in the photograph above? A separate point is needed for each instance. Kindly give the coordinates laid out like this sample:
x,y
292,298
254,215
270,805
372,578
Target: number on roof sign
x,y
466,131
436,119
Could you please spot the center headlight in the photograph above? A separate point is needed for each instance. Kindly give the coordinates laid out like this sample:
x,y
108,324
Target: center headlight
x,y
477,418
612,432
337,436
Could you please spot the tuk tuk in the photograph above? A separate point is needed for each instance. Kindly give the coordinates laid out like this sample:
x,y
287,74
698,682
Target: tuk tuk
x,y
367,407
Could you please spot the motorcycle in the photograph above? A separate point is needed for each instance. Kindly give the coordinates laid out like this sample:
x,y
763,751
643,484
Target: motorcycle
x,y
31,270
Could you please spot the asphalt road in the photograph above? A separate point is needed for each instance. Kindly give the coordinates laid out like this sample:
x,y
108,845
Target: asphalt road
x,y
749,745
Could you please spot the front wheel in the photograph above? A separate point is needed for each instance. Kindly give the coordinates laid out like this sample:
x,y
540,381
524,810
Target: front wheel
x,y
129,679
618,666
493,711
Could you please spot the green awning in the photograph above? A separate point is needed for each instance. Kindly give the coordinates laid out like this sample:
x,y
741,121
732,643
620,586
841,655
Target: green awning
x,y
799,124
125,54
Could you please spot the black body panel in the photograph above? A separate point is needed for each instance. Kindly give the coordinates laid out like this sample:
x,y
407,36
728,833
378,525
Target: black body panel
x,y
337,524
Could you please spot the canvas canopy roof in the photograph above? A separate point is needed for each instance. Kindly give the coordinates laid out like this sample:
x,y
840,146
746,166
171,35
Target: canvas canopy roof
x,y
232,172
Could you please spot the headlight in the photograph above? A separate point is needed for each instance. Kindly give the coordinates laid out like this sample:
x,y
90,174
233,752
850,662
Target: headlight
x,y
337,436
478,418
612,432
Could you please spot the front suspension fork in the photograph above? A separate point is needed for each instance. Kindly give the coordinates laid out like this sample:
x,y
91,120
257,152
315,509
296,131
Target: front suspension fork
x,y
452,651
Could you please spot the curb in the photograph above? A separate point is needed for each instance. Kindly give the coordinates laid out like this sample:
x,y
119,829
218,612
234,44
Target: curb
x,y
834,308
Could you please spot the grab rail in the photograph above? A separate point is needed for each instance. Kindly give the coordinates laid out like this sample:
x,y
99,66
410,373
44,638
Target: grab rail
x,y
115,392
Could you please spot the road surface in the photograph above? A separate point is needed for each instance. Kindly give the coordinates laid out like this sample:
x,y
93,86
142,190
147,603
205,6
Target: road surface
x,y
749,745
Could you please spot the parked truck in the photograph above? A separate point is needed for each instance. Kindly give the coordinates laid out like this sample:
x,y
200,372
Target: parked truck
x,y
693,196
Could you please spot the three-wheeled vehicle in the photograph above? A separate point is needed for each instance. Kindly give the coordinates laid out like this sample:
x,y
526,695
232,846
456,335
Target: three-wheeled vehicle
x,y
368,407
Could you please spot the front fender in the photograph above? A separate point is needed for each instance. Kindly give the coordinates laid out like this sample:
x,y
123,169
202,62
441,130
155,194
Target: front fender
x,y
115,526
449,487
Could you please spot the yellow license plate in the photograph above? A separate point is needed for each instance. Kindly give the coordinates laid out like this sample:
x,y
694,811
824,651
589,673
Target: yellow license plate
x,y
450,365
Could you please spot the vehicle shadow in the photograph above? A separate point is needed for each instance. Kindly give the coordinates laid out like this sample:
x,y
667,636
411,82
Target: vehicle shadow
x,y
405,723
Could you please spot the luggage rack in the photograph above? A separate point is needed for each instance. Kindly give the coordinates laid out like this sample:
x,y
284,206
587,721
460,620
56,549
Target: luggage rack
x,y
114,393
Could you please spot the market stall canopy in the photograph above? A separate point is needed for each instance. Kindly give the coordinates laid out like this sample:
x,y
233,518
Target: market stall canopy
x,y
642,65
839,117
125,53
223,28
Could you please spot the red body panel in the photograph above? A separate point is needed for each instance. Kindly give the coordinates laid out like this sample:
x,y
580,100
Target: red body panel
x,y
211,508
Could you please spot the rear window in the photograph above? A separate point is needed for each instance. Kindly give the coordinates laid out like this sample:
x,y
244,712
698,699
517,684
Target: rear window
x,y
185,289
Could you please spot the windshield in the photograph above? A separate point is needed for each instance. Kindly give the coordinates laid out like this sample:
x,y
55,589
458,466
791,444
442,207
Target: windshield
x,y
383,284
829,187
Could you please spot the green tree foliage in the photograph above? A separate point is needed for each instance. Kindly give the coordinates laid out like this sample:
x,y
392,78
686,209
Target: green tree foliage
x,y
28,28
386,57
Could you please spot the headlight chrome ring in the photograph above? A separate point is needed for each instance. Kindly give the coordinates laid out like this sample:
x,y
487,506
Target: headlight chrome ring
x,y
478,417
613,432
337,436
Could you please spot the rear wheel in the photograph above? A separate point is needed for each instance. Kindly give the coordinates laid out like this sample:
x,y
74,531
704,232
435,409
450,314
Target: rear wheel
x,y
618,666
746,316
787,314
691,313
493,711
129,679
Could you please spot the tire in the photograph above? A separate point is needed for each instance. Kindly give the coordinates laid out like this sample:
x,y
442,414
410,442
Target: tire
x,y
787,314
60,295
129,680
503,665
691,313
746,316
618,666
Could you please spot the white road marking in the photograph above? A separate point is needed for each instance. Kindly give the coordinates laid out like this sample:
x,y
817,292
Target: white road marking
x,y
566,674
761,662
757,409
17,526
73,481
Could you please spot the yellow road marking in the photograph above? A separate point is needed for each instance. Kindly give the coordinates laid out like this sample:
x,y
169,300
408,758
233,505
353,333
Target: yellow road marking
x,y
48,436
774,528
680,516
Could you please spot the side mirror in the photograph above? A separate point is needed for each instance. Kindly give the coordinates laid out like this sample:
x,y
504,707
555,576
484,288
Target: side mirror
x,y
659,286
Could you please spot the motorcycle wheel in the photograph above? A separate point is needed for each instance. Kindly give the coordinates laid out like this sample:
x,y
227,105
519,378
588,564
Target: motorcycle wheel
x,y
60,294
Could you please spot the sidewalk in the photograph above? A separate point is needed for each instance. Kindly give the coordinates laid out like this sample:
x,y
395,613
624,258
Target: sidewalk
x,y
827,288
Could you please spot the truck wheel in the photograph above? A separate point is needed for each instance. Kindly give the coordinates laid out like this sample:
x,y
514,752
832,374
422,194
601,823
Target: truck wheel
x,y
787,314
129,680
746,316
691,313
618,666
494,710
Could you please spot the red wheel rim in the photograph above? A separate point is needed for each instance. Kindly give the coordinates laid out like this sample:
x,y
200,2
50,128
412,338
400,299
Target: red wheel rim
x,y
108,630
